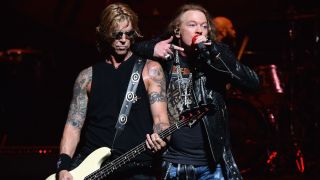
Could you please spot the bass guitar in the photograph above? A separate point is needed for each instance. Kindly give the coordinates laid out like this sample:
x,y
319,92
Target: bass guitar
x,y
91,169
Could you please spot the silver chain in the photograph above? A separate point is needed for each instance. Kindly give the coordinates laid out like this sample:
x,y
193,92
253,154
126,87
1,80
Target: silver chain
x,y
184,86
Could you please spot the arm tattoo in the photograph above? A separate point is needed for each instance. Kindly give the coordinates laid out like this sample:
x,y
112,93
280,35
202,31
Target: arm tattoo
x,y
157,76
156,97
79,102
75,123
157,128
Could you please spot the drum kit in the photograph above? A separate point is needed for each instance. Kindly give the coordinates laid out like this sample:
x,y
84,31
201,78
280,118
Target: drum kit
x,y
264,124
254,120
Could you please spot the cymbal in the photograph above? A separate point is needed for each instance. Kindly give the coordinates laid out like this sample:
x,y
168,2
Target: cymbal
x,y
251,52
17,54
2,56
293,17
257,52
301,16
22,51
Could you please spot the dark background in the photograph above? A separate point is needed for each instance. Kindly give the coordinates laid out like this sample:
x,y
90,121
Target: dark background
x,y
44,45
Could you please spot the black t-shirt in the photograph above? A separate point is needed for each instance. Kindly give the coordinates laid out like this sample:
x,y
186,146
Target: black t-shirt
x,y
187,144
108,89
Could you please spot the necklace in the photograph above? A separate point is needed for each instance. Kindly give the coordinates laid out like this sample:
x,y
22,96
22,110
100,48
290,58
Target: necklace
x,y
184,83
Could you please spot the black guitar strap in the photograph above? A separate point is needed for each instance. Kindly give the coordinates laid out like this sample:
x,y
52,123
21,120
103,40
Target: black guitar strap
x,y
130,97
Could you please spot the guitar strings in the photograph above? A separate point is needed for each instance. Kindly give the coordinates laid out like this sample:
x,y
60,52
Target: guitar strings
x,y
117,162
113,165
100,173
128,155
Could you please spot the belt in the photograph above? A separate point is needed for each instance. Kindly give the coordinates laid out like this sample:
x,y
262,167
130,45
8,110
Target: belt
x,y
184,171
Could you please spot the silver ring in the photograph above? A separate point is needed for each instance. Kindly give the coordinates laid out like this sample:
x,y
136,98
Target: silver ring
x,y
167,56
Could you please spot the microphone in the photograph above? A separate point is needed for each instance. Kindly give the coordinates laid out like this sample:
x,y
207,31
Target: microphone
x,y
201,47
203,50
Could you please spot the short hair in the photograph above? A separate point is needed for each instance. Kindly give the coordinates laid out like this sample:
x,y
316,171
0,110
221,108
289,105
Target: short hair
x,y
175,22
110,17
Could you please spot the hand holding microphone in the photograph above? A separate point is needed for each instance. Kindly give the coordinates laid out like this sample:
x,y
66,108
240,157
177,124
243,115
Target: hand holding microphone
x,y
201,42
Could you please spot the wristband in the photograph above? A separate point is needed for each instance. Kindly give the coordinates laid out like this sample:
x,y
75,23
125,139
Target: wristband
x,y
64,162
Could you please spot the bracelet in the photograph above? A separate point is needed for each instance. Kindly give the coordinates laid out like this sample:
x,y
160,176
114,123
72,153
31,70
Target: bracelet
x,y
64,162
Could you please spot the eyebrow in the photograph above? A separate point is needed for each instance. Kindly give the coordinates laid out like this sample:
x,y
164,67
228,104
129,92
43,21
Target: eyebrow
x,y
192,21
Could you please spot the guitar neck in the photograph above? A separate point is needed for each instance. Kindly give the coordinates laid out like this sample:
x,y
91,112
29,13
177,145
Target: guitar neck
x,y
128,156
172,128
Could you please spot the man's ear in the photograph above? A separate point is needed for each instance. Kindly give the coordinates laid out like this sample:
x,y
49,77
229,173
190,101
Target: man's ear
x,y
224,33
177,32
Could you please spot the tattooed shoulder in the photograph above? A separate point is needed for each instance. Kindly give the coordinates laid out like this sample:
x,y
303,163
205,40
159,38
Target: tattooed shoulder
x,y
79,102
155,70
157,81
85,77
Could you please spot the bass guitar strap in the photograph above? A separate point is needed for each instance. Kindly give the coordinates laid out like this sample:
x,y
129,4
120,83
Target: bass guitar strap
x,y
129,98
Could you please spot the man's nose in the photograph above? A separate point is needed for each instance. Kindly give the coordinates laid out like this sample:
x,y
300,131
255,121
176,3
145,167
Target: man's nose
x,y
199,30
123,38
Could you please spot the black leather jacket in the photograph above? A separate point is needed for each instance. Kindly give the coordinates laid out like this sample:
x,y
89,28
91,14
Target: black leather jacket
x,y
214,69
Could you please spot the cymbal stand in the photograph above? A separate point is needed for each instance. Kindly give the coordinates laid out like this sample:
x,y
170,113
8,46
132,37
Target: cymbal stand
x,y
299,159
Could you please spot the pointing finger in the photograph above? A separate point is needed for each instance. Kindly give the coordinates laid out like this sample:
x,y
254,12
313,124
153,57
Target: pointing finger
x,y
177,48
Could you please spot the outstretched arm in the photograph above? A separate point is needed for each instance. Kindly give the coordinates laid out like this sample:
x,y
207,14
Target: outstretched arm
x,y
76,116
154,80
156,48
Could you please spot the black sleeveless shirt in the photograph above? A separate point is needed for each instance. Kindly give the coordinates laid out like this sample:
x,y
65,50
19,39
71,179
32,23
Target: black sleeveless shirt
x,y
109,86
